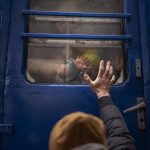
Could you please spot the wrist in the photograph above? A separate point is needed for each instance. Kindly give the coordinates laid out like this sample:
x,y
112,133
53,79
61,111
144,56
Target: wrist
x,y
102,94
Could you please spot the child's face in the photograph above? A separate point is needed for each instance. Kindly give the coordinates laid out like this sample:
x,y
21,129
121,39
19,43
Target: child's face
x,y
61,70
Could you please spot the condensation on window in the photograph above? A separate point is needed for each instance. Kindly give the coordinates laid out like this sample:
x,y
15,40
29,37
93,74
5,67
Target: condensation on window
x,y
75,25
55,61
100,6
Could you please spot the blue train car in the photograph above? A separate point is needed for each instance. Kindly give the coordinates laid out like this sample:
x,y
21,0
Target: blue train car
x,y
39,37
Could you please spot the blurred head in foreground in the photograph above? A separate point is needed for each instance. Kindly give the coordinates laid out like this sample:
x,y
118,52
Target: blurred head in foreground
x,y
75,130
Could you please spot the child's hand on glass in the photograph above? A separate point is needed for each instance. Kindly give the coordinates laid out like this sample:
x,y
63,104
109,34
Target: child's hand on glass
x,y
81,62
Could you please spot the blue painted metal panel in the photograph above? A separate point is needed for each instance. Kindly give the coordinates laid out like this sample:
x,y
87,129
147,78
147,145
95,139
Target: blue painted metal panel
x,y
78,36
76,14
145,43
0,15
1,78
133,27
4,32
34,109
6,129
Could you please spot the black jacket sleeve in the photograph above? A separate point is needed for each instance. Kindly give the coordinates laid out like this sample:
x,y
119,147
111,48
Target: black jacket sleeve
x,y
117,133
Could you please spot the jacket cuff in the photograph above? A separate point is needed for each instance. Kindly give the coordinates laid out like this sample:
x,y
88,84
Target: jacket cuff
x,y
105,101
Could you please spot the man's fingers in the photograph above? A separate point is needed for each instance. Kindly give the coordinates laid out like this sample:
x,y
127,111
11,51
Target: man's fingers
x,y
107,71
111,70
101,69
112,79
87,79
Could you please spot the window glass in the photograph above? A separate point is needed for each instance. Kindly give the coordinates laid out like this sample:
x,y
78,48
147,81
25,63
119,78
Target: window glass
x,y
60,61
56,61
74,25
106,6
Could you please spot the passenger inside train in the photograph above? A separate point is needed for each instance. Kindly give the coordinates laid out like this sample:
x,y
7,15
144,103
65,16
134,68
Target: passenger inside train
x,y
56,66
73,70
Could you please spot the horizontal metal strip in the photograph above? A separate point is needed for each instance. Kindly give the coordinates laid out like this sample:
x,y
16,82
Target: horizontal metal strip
x,y
77,36
76,14
75,19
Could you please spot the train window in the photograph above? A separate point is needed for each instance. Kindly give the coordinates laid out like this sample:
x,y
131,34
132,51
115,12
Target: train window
x,y
54,61
64,61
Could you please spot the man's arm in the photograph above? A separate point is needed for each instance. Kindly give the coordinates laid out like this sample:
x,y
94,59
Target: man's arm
x,y
117,133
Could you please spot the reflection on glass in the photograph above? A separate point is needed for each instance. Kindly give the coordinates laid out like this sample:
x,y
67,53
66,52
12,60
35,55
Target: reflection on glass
x,y
74,25
65,61
102,6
